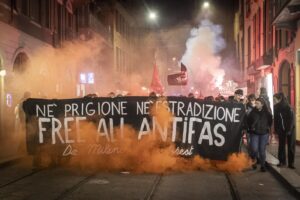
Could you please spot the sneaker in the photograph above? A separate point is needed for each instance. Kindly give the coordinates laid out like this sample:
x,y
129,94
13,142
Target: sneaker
x,y
254,166
263,169
291,167
280,165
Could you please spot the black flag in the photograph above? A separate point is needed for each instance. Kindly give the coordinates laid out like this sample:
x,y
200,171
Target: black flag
x,y
180,78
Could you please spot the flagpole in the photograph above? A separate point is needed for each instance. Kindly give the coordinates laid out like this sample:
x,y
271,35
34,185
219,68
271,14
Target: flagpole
x,y
181,92
156,84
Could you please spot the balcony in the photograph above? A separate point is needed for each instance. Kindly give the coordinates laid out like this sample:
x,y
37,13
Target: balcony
x,y
241,21
287,14
95,26
280,6
264,61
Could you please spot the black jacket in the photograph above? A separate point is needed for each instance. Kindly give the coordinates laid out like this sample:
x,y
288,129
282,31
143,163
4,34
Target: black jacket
x,y
283,118
259,122
249,108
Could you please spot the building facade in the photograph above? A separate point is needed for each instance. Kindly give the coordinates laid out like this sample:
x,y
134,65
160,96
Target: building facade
x,y
30,26
108,28
267,35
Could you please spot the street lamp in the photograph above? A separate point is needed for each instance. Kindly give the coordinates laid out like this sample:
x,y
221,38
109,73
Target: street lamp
x,y
206,4
2,73
152,15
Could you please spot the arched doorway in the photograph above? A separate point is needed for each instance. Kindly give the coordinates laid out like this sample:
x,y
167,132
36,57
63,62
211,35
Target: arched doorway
x,y
285,80
20,62
15,87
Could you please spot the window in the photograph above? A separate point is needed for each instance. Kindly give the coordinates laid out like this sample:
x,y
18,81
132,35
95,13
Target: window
x,y
248,8
81,17
117,17
284,80
85,16
122,25
254,36
258,32
35,10
61,23
22,6
279,39
286,38
69,20
243,50
118,58
46,4
249,46
238,47
276,40
21,63
265,27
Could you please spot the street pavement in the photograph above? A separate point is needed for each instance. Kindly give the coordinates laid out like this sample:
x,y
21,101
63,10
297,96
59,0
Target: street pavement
x,y
289,177
19,182
273,149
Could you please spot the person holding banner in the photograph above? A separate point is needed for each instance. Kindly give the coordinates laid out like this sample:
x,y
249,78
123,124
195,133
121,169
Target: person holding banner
x,y
20,122
284,125
259,123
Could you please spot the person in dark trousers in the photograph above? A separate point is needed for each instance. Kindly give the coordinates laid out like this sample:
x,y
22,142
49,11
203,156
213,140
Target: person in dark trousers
x,y
250,105
284,125
259,123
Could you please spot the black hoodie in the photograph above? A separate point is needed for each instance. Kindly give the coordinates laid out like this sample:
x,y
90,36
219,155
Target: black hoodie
x,y
283,118
259,122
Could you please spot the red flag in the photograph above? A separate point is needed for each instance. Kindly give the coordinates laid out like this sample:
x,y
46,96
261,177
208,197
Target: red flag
x,y
61,2
180,78
156,85
69,6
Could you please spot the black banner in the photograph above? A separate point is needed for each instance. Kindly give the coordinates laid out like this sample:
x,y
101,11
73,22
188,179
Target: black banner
x,y
210,129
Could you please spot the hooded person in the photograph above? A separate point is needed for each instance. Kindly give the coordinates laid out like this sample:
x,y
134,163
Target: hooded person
x,y
284,125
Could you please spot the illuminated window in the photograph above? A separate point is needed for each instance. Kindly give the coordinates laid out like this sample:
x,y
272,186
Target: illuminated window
x,y
90,78
82,78
8,100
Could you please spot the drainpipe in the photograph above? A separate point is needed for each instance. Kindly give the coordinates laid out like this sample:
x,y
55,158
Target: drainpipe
x,y
297,91
12,7
2,74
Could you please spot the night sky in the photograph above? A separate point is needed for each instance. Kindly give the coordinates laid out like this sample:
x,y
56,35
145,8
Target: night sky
x,y
176,12
172,12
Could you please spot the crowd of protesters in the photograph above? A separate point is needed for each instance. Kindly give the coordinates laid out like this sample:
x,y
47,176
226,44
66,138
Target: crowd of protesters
x,y
259,123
